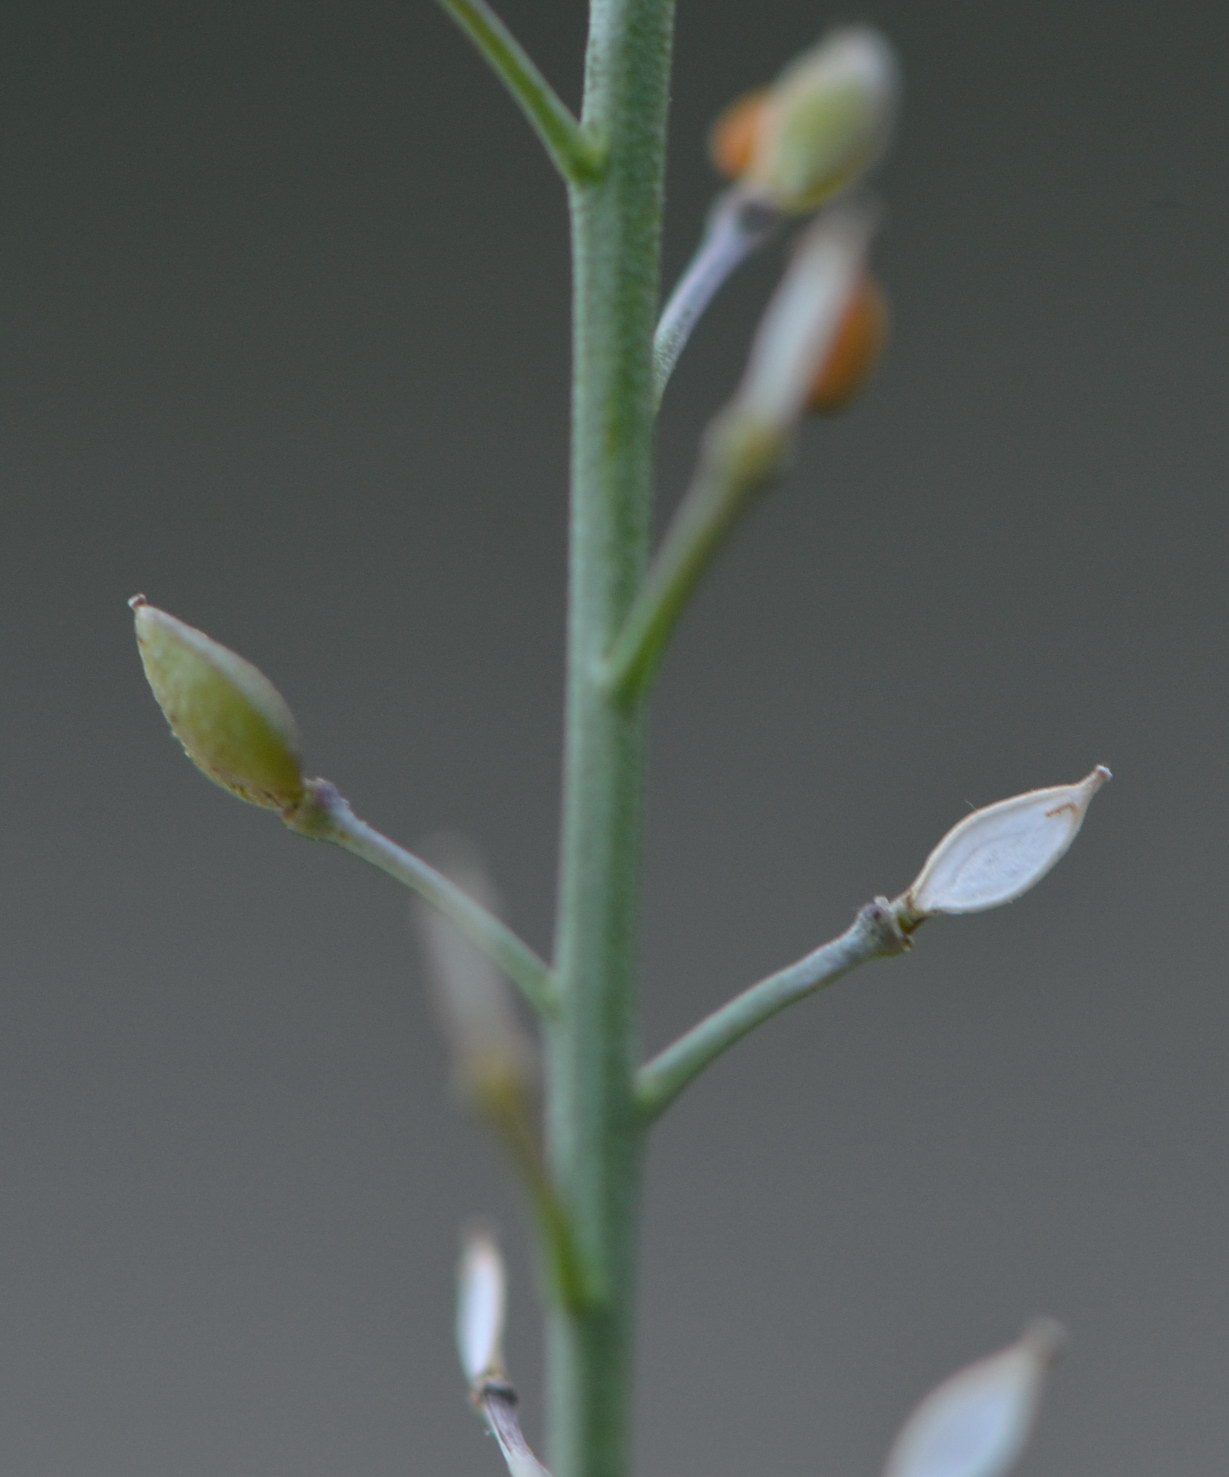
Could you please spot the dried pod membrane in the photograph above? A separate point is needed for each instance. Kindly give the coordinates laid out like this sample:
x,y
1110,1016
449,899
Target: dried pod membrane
x,y
233,723
997,853
976,1423
825,121
799,330
481,1296
481,1299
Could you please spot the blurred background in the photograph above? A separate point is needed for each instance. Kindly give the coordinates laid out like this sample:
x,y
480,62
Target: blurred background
x,y
284,294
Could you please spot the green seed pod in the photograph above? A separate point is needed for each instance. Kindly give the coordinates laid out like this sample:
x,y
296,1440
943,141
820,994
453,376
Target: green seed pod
x,y
233,723
825,121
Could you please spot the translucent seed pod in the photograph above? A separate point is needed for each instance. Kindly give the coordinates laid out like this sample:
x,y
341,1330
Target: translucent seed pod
x,y
233,723
798,333
997,853
493,1057
481,1299
977,1422
481,1302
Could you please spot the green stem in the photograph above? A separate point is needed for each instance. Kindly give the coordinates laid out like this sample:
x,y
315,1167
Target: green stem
x,y
325,816
735,463
747,444
570,149
594,1130
517,1128
875,933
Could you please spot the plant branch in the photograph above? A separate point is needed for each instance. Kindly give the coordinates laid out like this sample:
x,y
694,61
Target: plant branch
x,y
748,443
571,150
874,934
325,816
496,1401
737,225
518,1132
735,464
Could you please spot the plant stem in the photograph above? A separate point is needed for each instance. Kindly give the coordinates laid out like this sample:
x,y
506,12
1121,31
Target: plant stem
x,y
325,816
748,443
874,934
738,224
594,1130
496,1401
725,481
570,149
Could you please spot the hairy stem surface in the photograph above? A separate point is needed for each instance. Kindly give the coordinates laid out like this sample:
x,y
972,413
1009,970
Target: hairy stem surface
x,y
570,150
594,1128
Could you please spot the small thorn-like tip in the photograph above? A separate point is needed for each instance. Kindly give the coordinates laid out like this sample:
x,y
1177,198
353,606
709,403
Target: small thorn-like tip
x,y
1047,1338
1104,771
136,602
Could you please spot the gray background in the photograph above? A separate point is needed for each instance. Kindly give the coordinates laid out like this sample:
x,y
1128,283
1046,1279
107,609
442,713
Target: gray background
x,y
284,346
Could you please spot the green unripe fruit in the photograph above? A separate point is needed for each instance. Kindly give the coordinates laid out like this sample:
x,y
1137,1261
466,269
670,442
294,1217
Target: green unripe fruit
x,y
233,723
825,121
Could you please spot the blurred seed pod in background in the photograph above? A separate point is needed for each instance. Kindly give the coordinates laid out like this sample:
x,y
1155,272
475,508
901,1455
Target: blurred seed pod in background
x,y
819,128
860,337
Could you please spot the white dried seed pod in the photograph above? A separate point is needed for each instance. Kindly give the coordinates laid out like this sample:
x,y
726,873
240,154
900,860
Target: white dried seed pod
x,y
976,1423
481,1296
800,325
997,853
481,1299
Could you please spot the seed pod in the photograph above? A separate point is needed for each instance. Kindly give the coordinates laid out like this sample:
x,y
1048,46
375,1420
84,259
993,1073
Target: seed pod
x,y
825,121
800,325
481,1299
855,352
233,723
493,1058
997,853
976,1423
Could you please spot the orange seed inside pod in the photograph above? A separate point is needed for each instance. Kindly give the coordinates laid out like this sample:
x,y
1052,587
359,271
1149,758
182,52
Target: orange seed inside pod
x,y
732,139
859,343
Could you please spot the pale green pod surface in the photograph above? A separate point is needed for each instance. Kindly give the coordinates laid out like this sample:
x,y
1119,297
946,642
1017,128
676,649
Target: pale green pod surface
x,y
231,720
826,120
